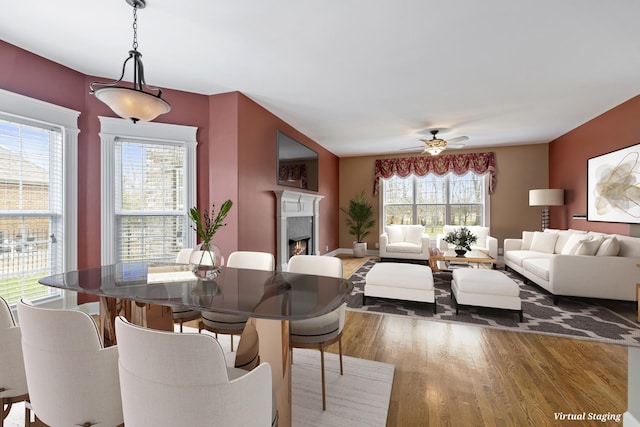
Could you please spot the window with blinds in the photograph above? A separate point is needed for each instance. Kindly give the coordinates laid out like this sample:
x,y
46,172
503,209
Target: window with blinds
x,y
31,208
150,211
434,201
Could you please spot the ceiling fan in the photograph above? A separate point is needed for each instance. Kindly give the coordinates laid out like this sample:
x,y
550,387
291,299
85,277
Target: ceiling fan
x,y
435,145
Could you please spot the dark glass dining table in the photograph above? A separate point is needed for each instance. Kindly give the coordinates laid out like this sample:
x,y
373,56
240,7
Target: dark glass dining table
x,y
270,299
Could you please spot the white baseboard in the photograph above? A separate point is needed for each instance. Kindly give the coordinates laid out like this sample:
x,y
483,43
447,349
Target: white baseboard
x,y
628,420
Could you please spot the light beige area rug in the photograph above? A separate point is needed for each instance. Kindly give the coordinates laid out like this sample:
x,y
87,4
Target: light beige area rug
x,y
359,398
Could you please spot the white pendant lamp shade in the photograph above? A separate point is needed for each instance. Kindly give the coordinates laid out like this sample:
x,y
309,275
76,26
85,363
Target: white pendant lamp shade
x,y
132,104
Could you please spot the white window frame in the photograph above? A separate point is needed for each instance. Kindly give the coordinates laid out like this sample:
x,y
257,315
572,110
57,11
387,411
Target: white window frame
x,y
35,110
486,218
112,129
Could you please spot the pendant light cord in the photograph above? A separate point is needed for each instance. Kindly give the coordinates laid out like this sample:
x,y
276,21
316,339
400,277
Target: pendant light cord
x,y
135,27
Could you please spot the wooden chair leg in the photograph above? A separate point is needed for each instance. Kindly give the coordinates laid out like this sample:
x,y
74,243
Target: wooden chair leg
x,y
324,399
181,326
231,342
6,408
27,414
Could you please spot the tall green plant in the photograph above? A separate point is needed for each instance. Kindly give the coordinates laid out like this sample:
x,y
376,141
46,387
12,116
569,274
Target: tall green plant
x,y
359,217
207,224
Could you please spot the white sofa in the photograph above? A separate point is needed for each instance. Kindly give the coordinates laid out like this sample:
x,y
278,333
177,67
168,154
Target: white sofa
x,y
404,242
485,243
577,263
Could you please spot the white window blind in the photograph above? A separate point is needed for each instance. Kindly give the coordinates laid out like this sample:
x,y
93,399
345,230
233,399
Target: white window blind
x,y
148,184
149,200
31,207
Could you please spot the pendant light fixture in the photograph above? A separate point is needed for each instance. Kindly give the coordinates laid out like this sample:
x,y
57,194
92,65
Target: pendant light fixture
x,y
135,102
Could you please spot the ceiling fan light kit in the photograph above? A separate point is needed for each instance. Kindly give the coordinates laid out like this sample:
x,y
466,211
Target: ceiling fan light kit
x,y
435,145
134,103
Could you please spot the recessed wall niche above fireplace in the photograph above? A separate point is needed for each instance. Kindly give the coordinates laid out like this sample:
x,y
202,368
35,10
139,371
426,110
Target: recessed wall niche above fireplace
x,y
297,225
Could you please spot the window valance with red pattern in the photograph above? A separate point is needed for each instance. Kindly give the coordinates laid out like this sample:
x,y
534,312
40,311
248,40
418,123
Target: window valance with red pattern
x,y
480,163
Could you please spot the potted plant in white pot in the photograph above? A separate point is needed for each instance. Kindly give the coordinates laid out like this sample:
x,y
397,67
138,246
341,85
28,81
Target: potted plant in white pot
x,y
360,221
206,225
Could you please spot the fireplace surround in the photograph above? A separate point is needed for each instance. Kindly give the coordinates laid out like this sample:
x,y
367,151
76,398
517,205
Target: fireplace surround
x,y
297,218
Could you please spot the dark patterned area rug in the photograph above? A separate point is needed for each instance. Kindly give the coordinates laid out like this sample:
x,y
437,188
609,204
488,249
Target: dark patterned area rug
x,y
572,318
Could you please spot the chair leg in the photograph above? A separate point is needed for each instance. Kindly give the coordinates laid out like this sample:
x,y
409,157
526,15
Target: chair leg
x,y
340,351
6,408
27,413
324,399
181,326
231,342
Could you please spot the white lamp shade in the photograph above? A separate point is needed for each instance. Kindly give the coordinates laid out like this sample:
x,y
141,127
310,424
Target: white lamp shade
x,y
546,197
132,104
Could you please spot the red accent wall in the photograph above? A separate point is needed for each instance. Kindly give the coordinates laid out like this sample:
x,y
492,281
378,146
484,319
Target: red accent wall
x,y
244,144
223,168
612,130
236,153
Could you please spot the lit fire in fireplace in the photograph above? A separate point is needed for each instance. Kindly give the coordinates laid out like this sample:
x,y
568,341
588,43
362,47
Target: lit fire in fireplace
x,y
299,248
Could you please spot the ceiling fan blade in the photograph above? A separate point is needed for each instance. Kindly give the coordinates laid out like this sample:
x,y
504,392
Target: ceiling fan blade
x,y
412,148
458,139
455,146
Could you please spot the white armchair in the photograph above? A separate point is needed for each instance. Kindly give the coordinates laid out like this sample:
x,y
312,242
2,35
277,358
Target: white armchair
x,y
404,241
485,243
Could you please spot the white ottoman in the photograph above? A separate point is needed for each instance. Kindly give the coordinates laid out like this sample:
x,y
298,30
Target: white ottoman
x,y
485,288
394,280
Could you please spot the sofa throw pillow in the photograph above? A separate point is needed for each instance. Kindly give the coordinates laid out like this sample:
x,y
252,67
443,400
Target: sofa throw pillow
x,y
574,240
544,242
413,234
563,238
589,245
395,233
610,246
527,237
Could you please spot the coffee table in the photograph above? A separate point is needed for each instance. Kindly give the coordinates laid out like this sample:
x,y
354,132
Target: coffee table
x,y
439,261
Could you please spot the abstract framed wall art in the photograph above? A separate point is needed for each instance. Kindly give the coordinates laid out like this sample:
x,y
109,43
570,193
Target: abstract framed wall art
x,y
613,186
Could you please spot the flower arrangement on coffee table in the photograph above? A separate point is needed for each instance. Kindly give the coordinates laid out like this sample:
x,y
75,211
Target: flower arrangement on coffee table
x,y
462,238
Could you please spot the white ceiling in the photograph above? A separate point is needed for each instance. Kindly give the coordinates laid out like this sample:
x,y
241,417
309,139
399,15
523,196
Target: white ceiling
x,y
365,76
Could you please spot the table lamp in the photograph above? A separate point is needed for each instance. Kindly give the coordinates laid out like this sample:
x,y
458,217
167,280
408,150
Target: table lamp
x,y
546,197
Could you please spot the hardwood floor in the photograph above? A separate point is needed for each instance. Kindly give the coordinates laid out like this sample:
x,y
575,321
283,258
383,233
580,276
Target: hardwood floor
x,y
458,375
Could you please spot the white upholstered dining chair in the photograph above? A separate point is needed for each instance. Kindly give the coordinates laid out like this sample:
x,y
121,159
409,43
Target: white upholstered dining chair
x,y
233,324
172,379
72,379
324,330
13,382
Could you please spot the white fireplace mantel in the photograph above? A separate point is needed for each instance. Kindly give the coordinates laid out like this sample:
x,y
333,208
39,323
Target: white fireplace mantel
x,y
295,204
